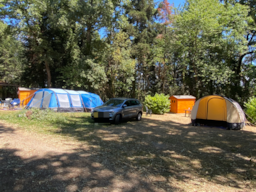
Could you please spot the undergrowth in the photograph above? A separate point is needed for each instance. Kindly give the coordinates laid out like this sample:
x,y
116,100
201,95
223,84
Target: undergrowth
x,y
42,115
251,109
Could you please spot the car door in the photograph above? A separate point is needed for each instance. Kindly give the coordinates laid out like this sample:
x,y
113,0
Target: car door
x,y
134,109
138,106
127,111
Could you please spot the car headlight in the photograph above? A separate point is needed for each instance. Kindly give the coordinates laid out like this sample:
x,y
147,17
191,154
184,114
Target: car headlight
x,y
111,114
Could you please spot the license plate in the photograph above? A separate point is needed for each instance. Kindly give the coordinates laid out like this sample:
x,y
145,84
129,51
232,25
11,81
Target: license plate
x,y
96,115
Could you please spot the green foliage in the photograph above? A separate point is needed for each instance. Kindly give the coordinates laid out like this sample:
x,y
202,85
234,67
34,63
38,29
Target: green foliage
x,y
159,104
210,32
61,39
119,66
142,29
10,56
119,48
251,108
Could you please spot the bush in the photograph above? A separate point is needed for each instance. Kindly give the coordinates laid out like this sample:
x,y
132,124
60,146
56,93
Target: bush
x,y
251,109
159,104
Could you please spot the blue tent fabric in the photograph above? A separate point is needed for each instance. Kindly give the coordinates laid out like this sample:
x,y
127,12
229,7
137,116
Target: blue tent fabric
x,y
64,100
90,100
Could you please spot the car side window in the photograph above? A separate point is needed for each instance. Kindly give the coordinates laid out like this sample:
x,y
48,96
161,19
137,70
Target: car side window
x,y
133,102
127,103
137,102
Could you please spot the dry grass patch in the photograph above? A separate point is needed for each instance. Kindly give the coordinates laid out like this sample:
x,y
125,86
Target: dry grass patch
x,y
161,152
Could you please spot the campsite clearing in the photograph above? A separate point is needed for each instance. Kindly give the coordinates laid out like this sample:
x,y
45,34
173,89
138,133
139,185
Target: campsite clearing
x,y
159,153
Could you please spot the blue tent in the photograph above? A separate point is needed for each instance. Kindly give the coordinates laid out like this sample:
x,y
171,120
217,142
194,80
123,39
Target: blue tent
x,y
90,100
58,100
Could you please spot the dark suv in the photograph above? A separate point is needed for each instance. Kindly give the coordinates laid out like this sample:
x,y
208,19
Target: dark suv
x,y
118,108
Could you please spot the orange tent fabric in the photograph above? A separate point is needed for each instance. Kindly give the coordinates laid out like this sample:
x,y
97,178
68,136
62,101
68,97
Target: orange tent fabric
x,y
214,109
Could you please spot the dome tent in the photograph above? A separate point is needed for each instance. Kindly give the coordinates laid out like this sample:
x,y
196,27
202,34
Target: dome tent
x,y
217,110
57,99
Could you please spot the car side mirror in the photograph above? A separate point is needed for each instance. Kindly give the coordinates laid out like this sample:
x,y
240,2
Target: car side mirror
x,y
124,105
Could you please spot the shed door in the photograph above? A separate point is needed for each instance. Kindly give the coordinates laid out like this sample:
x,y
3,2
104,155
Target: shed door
x,y
174,106
185,104
216,109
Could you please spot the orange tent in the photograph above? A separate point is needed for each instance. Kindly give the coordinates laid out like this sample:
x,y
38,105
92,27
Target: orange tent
x,y
217,110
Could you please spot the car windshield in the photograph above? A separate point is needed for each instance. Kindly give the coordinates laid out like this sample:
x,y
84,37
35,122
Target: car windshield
x,y
114,103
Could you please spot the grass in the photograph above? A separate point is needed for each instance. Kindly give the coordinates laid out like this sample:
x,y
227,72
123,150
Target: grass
x,y
164,149
47,122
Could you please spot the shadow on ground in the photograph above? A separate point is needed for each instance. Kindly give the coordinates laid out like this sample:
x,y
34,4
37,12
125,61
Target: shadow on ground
x,y
150,155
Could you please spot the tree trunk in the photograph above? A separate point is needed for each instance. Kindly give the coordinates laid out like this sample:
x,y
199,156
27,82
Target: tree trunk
x,y
89,33
134,85
49,78
238,69
111,88
133,94
88,37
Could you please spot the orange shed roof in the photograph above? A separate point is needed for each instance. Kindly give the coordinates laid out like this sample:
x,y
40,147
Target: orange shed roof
x,y
27,89
184,97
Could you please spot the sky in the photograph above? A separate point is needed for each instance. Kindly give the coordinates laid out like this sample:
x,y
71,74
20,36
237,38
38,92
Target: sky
x,y
176,2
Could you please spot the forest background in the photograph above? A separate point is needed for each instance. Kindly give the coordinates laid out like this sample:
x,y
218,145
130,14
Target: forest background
x,y
130,48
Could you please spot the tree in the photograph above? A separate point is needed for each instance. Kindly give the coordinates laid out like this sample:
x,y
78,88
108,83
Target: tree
x,y
142,30
207,47
59,33
165,12
209,32
10,56
120,67
246,58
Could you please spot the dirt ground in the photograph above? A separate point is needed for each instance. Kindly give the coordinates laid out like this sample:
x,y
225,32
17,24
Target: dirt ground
x,y
159,153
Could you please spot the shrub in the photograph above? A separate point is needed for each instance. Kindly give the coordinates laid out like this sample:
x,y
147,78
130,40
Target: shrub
x,y
251,108
159,104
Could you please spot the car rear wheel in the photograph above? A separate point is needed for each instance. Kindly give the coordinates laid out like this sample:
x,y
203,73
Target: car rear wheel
x,y
138,118
117,119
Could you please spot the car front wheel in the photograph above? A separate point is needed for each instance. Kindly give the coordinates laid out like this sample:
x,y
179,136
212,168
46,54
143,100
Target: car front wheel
x,y
117,119
138,118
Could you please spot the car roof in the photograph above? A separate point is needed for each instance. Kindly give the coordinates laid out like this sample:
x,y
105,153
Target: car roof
x,y
123,98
